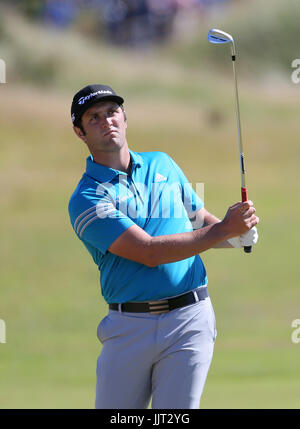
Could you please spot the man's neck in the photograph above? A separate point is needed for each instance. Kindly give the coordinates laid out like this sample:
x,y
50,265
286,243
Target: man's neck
x,y
120,161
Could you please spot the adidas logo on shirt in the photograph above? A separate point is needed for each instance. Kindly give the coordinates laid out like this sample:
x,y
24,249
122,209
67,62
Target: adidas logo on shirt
x,y
159,178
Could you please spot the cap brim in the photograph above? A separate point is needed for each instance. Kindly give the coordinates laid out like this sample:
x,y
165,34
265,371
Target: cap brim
x,y
115,98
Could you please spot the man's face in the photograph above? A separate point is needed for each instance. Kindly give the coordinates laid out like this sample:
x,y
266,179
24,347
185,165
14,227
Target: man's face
x,y
105,127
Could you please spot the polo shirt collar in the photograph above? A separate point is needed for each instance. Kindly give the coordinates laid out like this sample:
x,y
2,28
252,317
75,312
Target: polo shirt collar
x,y
136,158
103,173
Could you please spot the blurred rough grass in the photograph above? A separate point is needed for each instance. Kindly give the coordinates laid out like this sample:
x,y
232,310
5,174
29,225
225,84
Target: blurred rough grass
x,y
266,34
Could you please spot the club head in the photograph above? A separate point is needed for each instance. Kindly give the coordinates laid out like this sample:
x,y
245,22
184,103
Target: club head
x,y
220,37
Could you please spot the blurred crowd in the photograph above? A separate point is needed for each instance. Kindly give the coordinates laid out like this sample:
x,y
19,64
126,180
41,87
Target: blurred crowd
x,y
126,22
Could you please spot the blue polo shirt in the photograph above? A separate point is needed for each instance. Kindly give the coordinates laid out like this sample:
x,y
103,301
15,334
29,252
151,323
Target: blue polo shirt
x,y
157,197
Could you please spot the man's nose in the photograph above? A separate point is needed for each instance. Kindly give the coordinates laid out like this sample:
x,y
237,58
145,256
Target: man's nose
x,y
105,121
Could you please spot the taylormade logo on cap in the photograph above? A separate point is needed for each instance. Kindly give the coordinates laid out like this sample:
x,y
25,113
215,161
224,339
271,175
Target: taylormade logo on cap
x,y
82,100
89,95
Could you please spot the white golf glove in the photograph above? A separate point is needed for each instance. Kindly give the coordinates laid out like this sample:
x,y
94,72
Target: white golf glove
x,y
247,239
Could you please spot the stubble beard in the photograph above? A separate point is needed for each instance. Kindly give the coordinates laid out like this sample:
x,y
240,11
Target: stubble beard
x,y
112,144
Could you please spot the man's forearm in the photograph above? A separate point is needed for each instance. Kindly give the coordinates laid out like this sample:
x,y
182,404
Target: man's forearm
x,y
224,244
209,219
137,245
175,247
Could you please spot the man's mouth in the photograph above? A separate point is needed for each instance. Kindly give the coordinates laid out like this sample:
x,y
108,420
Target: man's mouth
x,y
110,132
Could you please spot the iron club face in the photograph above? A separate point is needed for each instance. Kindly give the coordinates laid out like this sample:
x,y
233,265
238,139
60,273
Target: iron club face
x,y
219,37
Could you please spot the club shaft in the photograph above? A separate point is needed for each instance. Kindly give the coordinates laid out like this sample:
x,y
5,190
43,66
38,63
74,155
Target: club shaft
x,y
247,249
240,142
220,37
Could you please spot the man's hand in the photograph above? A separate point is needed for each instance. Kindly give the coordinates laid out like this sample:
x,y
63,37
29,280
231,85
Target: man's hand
x,y
203,218
240,219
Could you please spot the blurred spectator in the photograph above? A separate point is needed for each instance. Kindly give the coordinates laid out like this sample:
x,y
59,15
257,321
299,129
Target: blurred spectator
x,y
139,22
60,13
135,23
162,15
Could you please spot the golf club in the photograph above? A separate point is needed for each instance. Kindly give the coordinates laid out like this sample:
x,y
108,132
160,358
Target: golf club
x,y
220,37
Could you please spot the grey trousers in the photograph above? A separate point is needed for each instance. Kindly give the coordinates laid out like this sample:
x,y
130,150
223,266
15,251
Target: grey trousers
x,y
166,357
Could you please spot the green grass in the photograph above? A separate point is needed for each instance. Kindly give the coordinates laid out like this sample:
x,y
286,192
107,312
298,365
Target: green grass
x,y
50,293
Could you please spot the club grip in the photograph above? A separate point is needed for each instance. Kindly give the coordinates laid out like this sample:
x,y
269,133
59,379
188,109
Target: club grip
x,y
244,194
247,249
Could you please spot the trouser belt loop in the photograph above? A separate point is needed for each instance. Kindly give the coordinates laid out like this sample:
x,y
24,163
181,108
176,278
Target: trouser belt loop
x,y
196,296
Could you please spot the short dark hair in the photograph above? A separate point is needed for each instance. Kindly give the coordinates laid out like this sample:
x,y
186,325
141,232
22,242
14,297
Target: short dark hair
x,y
80,126
123,110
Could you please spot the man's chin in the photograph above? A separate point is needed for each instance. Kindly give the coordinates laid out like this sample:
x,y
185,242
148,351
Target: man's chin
x,y
113,145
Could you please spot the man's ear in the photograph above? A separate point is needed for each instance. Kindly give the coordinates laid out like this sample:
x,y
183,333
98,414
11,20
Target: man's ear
x,y
125,118
79,133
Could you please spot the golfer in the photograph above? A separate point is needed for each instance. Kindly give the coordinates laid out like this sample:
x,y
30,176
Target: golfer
x,y
144,227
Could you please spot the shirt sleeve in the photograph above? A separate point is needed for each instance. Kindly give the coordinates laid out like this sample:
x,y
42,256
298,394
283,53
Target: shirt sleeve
x,y
97,221
192,202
